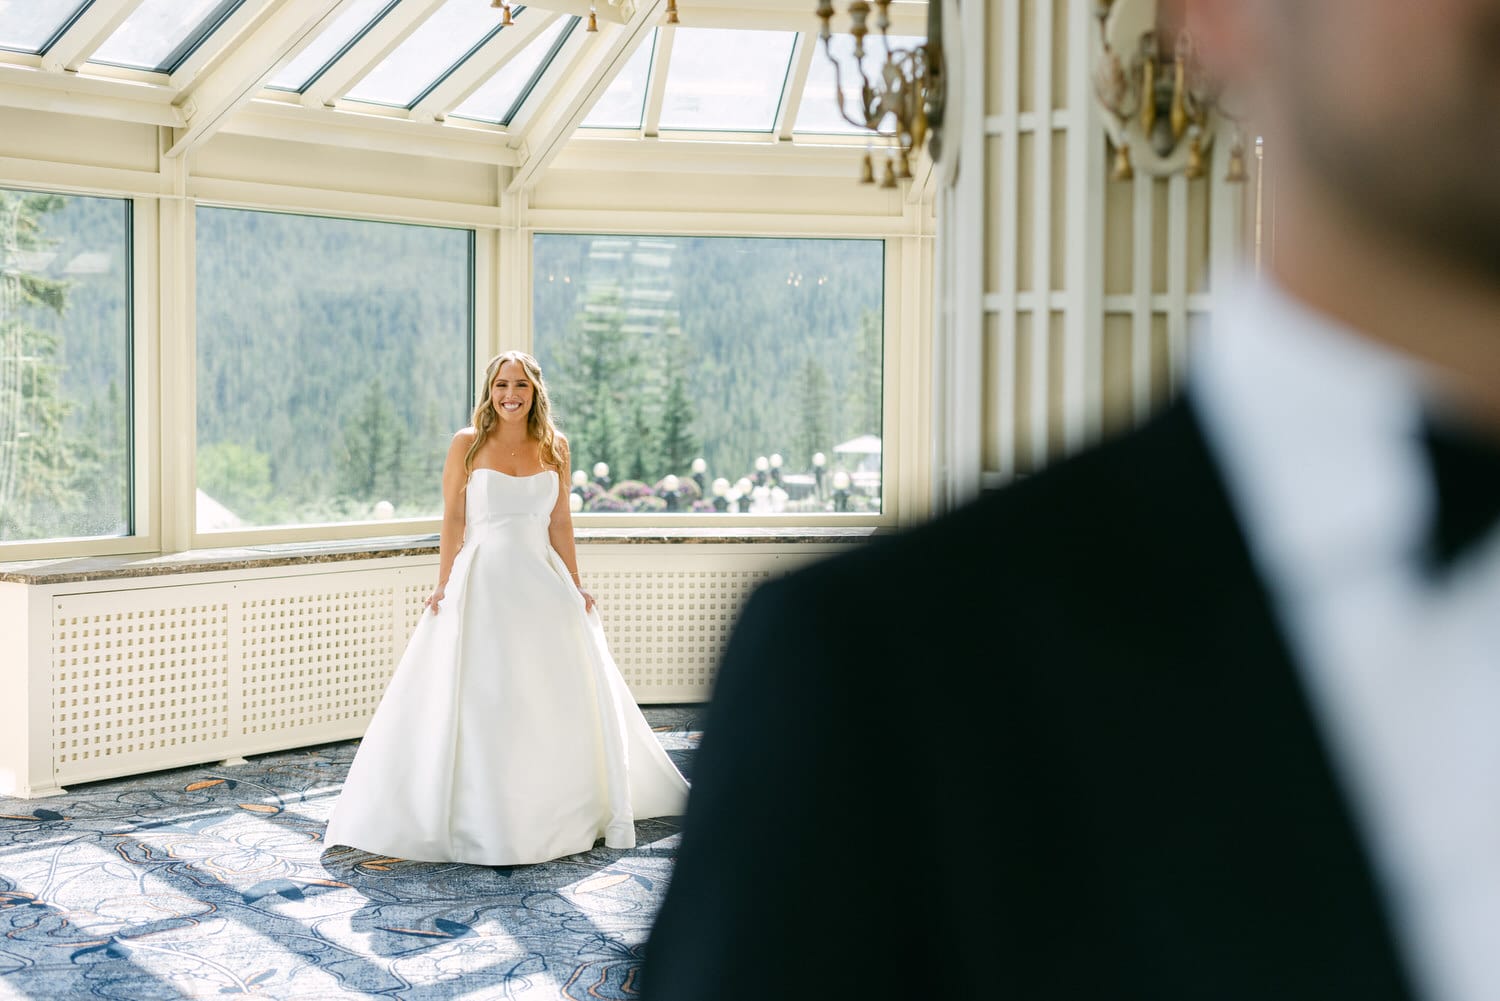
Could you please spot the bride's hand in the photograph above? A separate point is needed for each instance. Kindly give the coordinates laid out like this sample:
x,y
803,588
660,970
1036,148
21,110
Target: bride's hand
x,y
588,600
433,599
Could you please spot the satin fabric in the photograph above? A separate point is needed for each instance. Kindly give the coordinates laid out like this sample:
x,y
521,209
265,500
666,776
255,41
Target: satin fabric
x,y
507,735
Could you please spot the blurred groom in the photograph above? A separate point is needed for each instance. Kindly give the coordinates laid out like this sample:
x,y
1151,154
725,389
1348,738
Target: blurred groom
x,y
1213,710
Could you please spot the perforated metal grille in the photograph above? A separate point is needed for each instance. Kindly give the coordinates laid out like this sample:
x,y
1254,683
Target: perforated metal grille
x,y
155,677
315,658
412,597
136,680
667,629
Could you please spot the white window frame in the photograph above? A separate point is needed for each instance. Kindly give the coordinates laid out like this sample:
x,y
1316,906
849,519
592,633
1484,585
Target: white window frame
x,y
144,417
891,477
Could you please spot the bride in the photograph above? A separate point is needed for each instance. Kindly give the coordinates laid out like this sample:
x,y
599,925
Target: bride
x,y
506,735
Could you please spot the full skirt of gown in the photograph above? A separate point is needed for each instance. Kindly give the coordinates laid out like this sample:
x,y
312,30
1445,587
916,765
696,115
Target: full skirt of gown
x,y
506,735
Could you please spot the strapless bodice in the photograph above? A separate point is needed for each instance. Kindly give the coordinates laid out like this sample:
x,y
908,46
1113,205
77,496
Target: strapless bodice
x,y
499,502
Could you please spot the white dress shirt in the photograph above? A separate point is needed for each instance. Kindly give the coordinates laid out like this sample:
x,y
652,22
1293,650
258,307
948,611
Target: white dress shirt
x,y
1317,431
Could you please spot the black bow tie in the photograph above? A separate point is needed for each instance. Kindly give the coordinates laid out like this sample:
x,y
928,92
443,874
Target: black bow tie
x,y
1466,478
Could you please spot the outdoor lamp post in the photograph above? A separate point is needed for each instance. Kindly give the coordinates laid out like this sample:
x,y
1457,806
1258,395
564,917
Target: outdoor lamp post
x,y
670,485
743,488
700,474
841,491
820,462
775,462
762,467
721,495
601,475
732,500
575,502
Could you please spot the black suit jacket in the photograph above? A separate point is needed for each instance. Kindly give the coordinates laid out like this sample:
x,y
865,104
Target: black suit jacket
x,y
1049,746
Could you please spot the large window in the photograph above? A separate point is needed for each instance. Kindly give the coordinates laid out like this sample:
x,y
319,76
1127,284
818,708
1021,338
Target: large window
x,y
715,374
334,364
65,385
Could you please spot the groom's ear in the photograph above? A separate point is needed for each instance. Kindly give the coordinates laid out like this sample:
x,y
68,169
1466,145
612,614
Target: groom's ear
x,y
1235,40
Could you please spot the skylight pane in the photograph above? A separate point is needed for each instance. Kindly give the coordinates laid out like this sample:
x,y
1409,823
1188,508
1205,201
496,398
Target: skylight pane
x,y
623,103
726,80
29,26
503,93
819,111
358,18
429,54
162,33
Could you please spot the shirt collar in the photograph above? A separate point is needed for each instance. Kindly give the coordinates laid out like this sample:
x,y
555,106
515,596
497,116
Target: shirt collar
x,y
1316,428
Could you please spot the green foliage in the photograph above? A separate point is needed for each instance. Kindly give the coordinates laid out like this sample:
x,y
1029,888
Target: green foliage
x,y
237,476
702,347
64,454
679,446
337,348
815,406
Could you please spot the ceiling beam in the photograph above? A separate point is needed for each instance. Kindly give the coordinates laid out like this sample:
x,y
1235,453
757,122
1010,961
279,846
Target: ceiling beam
x,y
565,66
476,70
552,128
290,25
696,156
378,133
803,53
221,42
906,19
76,102
608,12
656,83
367,53
86,34
95,97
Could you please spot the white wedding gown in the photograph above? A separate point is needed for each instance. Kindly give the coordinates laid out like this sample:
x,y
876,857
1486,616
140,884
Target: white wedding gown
x,y
506,735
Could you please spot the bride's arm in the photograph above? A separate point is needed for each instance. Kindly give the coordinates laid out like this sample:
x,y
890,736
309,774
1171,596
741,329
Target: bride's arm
x,y
560,530
452,535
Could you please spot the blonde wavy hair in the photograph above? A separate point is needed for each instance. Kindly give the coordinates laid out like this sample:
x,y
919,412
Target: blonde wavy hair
x,y
538,422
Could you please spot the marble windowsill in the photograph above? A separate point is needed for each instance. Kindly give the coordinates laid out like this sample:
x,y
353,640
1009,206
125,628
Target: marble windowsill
x,y
91,568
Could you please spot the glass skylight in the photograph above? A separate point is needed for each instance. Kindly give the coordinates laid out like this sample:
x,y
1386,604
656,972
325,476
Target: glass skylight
x,y
430,53
502,95
623,103
29,26
162,33
726,80
358,18
819,109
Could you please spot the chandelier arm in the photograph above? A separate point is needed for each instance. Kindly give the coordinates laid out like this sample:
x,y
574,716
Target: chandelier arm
x,y
838,87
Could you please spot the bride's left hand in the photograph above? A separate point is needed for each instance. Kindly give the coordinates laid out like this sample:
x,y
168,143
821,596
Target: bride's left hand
x,y
588,600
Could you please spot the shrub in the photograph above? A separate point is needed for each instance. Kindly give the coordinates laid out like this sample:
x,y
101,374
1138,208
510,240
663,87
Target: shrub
x,y
629,490
648,504
604,502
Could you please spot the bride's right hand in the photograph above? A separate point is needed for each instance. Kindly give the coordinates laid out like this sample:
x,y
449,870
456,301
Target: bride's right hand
x,y
433,599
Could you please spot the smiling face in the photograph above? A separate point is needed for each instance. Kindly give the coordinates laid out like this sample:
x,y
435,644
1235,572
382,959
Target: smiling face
x,y
511,393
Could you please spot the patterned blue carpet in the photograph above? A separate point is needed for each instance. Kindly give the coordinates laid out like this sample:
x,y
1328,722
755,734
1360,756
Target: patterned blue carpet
x,y
213,882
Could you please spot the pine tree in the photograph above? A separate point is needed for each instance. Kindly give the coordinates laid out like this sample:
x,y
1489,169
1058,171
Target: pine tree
x,y
862,415
815,412
372,444
679,445
37,467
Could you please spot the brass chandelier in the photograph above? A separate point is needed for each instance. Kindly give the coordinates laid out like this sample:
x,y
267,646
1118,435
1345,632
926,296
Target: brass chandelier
x,y
1160,109
909,89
